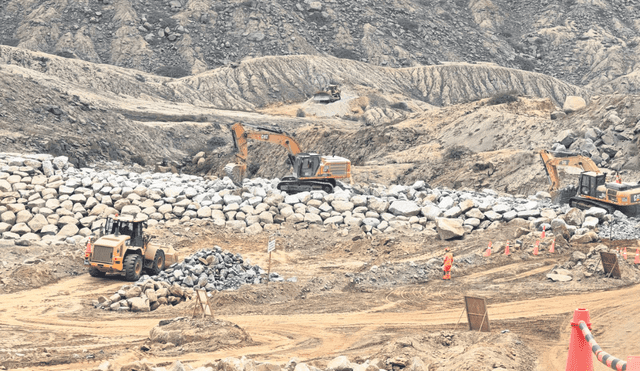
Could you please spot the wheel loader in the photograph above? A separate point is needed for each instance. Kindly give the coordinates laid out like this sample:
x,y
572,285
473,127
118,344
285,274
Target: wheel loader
x,y
592,188
311,171
124,249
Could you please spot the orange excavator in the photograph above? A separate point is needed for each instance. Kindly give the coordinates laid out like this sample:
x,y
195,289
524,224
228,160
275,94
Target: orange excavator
x,y
592,189
311,171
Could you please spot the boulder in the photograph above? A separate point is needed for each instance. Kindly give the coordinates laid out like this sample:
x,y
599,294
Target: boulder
x,y
590,222
312,218
340,363
404,208
204,212
378,205
338,219
253,229
578,256
431,212
573,103
559,277
37,223
139,304
342,206
575,217
449,228
597,212
68,230
585,238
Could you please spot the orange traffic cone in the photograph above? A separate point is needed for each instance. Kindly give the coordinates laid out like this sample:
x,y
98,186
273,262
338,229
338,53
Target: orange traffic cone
x,y
535,248
624,254
488,252
544,230
579,357
637,259
506,249
633,363
552,249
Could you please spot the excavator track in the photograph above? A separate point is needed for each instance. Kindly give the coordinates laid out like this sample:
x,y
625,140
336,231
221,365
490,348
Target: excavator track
x,y
585,204
292,185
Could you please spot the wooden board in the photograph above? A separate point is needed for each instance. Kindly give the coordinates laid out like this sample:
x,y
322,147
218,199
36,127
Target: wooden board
x,y
477,314
610,264
202,304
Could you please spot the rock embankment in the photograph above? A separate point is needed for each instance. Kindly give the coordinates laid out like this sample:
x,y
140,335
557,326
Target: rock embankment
x,y
45,199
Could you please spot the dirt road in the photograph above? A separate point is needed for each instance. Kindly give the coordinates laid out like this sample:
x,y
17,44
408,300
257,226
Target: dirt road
x,y
55,327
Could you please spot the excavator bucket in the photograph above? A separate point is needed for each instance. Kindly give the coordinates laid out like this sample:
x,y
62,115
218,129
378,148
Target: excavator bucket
x,y
235,173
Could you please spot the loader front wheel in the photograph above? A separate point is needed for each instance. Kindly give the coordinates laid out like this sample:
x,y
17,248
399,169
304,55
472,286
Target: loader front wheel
x,y
95,272
132,267
158,263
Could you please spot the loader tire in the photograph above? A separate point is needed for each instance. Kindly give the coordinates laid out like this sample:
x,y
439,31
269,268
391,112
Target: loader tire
x,y
158,263
95,272
132,267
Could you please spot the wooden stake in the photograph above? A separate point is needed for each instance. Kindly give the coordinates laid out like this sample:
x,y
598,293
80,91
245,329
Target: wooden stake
x,y
269,269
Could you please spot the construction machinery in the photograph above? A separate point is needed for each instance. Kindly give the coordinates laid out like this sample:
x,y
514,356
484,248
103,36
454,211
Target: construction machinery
x,y
329,95
311,171
592,188
124,249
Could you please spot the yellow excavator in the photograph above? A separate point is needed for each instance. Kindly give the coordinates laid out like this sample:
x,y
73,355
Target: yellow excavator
x,y
311,171
592,189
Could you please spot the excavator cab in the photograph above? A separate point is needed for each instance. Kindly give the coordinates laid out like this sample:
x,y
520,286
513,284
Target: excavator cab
x,y
589,183
306,165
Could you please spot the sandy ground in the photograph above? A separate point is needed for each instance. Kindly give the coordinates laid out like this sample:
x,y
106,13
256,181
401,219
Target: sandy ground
x,y
324,314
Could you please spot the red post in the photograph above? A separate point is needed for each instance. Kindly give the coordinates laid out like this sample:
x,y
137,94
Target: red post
x,y
633,363
579,357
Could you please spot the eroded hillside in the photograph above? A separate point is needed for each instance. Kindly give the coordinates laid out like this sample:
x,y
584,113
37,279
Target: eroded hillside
x,y
584,42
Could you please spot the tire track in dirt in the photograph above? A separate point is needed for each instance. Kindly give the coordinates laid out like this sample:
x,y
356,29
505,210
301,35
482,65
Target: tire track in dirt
x,y
307,336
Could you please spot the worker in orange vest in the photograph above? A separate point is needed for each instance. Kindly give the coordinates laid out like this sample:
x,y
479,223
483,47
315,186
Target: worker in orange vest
x,y
448,262
618,178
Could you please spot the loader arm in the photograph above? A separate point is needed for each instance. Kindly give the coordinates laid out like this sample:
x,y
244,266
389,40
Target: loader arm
x,y
242,133
551,163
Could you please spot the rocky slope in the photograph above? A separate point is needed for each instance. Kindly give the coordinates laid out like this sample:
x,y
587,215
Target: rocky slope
x,y
583,42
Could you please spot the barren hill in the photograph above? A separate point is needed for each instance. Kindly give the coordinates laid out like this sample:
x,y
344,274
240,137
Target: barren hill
x,y
584,42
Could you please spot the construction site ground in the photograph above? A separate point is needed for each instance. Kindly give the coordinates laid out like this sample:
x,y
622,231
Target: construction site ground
x,y
323,314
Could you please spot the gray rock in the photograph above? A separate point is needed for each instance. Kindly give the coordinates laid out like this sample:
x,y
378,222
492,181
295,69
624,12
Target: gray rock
x,y
559,277
449,228
404,208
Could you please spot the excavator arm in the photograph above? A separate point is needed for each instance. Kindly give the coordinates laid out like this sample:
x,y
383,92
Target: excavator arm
x,y
242,133
552,161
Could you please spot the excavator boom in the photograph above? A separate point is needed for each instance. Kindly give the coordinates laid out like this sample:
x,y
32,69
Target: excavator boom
x,y
551,162
242,133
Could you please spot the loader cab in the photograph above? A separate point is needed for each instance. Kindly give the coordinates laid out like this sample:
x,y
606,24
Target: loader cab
x,y
306,165
589,183
123,226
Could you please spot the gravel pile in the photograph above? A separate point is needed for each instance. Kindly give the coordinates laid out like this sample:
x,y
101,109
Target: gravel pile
x,y
209,269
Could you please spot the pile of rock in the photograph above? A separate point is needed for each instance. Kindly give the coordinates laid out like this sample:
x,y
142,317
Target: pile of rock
x,y
582,265
44,198
143,297
209,269
603,147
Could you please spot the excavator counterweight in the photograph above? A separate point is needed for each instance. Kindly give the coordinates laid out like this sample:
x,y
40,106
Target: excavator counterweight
x,y
311,171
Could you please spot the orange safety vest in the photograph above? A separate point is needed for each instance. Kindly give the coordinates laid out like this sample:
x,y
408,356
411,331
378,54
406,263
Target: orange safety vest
x,y
448,261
